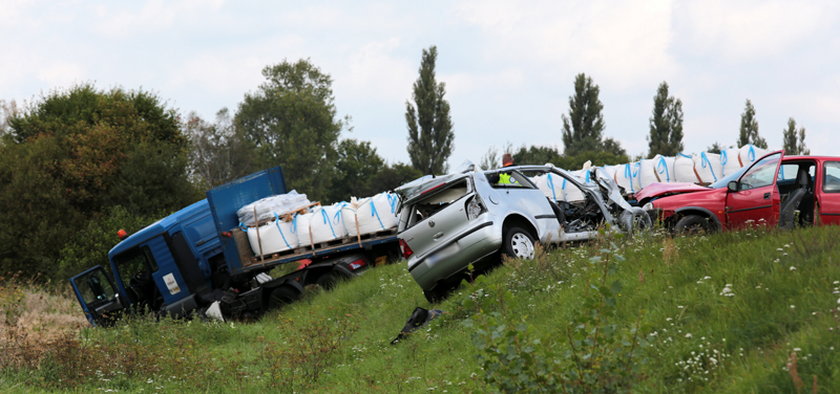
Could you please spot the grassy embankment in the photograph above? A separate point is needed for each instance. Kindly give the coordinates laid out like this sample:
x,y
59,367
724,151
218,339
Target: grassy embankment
x,y
739,312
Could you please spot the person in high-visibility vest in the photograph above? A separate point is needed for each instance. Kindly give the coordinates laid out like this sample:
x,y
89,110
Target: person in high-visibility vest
x,y
504,177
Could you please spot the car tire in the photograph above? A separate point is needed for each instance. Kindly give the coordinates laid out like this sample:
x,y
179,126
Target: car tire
x,y
282,295
693,224
636,220
518,243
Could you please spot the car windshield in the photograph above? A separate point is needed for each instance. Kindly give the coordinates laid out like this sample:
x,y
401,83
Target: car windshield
x,y
722,182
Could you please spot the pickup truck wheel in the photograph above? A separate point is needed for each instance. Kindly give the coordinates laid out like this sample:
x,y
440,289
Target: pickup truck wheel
x,y
693,224
282,295
518,243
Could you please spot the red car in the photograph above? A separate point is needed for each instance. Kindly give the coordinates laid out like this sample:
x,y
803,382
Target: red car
x,y
775,190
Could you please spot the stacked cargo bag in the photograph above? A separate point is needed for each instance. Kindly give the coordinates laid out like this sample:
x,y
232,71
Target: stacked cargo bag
x,y
326,224
627,176
375,214
708,167
608,172
551,185
684,169
274,236
268,207
572,192
750,153
303,230
730,159
655,170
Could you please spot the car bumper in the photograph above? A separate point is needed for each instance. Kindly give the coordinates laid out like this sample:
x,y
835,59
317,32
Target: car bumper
x,y
457,254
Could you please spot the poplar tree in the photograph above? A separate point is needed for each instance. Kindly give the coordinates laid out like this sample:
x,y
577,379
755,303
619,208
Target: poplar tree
x,y
666,124
749,128
430,135
793,139
583,128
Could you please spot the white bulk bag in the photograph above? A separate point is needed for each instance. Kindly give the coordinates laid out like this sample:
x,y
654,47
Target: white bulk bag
x,y
684,169
627,176
708,167
551,185
374,214
572,192
750,153
326,224
608,171
302,226
272,237
730,159
266,208
655,170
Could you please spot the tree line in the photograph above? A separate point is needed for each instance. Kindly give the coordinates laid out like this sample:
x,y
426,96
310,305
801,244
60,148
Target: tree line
x,y
79,163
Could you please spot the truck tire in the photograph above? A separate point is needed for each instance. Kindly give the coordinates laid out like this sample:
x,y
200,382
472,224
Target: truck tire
x,y
282,295
518,243
329,280
693,224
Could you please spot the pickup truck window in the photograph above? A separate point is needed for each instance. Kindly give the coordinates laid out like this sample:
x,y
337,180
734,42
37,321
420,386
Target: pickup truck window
x,y
831,177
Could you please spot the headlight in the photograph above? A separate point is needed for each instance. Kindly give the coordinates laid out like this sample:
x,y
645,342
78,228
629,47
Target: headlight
x,y
474,208
648,206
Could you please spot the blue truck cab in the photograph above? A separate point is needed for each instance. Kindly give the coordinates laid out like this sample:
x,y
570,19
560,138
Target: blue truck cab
x,y
198,256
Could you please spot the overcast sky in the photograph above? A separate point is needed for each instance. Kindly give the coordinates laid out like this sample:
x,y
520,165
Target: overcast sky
x,y
508,67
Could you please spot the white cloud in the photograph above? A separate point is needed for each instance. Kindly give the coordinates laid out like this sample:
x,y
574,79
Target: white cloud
x,y
153,15
374,71
623,43
745,30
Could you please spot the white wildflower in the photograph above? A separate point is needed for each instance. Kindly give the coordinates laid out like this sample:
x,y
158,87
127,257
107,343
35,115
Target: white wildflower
x,y
792,268
688,335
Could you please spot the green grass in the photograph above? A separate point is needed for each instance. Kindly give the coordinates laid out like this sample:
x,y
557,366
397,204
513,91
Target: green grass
x,y
648,315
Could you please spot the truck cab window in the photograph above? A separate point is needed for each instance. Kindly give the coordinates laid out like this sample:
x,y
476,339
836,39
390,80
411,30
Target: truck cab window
x,y
96,289
135,269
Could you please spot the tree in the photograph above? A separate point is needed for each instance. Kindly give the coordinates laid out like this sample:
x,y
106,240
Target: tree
x,y
430,135
395,175
715,148
793,139
666,124
357,166
73,156
583,128
538,155
749,128
217,153
291,121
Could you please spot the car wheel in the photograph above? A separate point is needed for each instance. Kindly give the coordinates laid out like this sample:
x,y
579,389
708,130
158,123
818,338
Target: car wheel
x,y
636,220
437,293
282,295
518,243
693,224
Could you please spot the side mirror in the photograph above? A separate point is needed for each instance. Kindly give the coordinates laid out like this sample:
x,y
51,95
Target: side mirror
x,y
733,186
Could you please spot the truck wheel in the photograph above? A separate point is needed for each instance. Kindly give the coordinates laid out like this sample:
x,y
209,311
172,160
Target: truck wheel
x,y
282,295
693,224
329,280
518,243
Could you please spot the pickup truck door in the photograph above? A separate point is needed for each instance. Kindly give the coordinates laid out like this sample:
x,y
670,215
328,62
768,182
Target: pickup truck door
x,y
97,296
757,200
827,192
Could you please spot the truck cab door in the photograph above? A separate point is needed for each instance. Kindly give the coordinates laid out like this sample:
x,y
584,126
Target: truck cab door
x,y
756,200
97,296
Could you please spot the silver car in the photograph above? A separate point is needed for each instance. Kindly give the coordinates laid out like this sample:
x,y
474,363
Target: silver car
x,y
453,226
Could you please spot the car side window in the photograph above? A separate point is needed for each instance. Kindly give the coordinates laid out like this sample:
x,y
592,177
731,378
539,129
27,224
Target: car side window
x,y
761,174
831,177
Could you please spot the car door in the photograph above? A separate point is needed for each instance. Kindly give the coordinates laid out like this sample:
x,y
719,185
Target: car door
x,y
438,216
97,296
828,193
756,200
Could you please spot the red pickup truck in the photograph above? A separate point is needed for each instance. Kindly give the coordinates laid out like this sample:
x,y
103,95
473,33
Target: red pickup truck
x,y
775,190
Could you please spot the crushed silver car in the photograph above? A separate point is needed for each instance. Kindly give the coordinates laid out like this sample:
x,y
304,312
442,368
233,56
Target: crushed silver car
x,y
449,223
